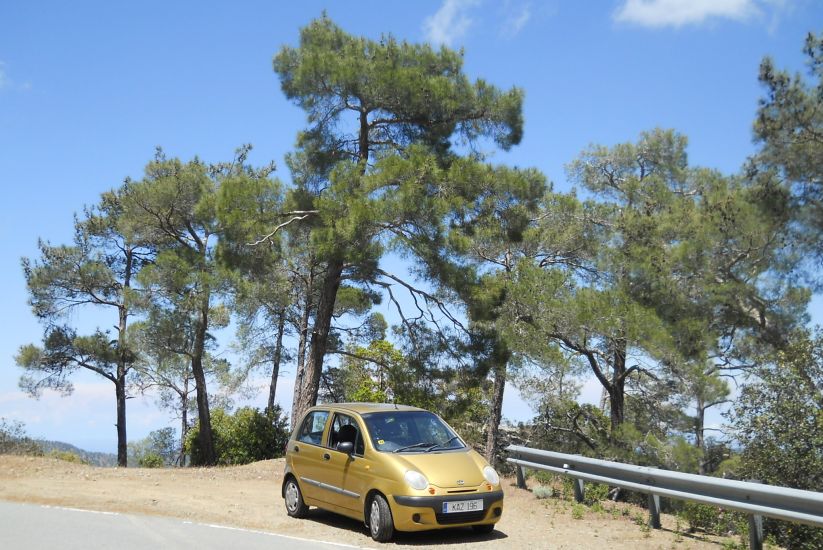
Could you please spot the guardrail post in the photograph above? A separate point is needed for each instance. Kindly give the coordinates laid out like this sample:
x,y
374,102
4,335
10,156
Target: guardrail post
x,y
654,511
755,527
521,477
579,491
755,532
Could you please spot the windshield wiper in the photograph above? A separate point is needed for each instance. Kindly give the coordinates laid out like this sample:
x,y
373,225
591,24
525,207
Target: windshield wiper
x,y
436,445
415,446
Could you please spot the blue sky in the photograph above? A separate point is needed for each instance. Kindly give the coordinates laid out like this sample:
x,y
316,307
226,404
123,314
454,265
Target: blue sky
x,y
88,89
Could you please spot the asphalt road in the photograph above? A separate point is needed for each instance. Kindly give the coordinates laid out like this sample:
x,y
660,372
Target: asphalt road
x,y
31,526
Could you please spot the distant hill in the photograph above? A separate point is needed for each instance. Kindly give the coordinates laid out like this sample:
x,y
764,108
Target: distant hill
x,y
93,458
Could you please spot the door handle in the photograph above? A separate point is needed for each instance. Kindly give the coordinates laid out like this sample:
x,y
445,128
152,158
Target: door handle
x,y
296,449
326,456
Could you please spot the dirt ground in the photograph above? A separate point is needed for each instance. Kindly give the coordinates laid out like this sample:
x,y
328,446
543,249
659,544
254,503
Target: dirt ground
x,y
249,497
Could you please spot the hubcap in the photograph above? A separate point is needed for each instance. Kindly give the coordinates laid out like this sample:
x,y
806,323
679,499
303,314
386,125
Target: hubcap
x,y
291,496
374,518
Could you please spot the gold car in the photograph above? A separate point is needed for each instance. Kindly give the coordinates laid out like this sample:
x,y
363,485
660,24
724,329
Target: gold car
x,y
391,466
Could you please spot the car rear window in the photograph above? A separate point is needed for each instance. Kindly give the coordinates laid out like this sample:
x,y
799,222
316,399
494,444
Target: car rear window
x,y
312,429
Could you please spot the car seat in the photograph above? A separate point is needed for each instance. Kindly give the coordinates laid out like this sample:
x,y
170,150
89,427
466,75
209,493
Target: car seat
x,y
346,433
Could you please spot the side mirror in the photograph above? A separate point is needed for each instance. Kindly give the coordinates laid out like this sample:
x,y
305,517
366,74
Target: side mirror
x,y
346,447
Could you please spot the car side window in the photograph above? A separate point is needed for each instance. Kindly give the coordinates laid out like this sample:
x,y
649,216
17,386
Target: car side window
x,y
344,428
312,429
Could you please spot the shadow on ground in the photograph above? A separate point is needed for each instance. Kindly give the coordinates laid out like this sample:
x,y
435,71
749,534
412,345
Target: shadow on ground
x,y
696,536
457,535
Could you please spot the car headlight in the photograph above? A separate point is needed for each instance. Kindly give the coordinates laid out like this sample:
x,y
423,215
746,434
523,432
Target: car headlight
x,y
416,480
490,475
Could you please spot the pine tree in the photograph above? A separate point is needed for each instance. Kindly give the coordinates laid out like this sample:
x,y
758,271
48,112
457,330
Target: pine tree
x,y
175,208
98,269
381,117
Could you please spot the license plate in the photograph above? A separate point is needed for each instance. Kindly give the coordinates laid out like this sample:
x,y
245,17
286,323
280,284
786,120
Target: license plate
x,y
457,506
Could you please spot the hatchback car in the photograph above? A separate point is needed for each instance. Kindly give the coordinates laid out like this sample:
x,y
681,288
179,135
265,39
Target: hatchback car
x,y
391,466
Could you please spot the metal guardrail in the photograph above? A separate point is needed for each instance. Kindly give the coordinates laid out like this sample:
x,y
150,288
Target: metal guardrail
x,y
753,498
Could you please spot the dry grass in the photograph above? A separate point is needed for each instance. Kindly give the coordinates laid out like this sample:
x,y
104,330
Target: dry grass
x,y
249,496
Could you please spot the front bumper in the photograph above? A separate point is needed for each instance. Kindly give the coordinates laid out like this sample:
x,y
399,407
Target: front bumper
x,y
417,513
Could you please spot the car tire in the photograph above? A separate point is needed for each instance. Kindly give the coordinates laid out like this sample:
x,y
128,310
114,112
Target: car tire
x,y
483,529
381,525
295,507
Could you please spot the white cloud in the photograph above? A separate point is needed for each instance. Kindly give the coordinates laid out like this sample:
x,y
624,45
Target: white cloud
x,y
676,13
6,82
450,23
515,19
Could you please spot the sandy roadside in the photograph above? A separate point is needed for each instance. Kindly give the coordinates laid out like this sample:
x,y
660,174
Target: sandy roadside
x,y
249,497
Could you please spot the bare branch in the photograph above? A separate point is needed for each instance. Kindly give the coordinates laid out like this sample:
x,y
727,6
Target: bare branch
x,y
281,226
428,298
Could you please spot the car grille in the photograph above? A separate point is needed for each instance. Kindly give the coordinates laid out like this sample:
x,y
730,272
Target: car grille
x,y
465,517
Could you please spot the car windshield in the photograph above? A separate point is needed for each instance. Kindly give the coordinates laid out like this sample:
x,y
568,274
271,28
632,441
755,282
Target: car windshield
x,y
410,431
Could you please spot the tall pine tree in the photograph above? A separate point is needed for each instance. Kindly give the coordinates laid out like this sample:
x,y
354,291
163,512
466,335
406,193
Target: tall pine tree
x,y
381,117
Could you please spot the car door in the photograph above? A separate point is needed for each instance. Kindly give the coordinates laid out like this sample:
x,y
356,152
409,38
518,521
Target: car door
x,y
349,475
307,455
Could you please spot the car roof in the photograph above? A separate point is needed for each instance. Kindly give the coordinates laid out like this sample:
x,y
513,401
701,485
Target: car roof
x,y
364,408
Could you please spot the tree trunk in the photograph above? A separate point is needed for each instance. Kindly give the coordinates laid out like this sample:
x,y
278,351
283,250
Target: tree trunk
x,y
122,447
604,400
123,366
319,338
493,427
301,350
275,368
617,392
699,440
309,382
207,457
501,361
184,422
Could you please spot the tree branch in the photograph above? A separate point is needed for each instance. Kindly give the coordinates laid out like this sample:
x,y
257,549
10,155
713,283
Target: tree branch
x,y
361,357
428,298
268,237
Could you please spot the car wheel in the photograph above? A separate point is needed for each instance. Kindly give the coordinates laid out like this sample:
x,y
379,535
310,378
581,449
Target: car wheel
x,y
483,529
295,507
381,525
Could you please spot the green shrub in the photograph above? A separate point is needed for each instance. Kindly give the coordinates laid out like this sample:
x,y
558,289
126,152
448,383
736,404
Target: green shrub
x,y
151,460
778,421
713,520
160,448
246,436
67,456
13,439
546,478
595,493
567,491
543,492
592,492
